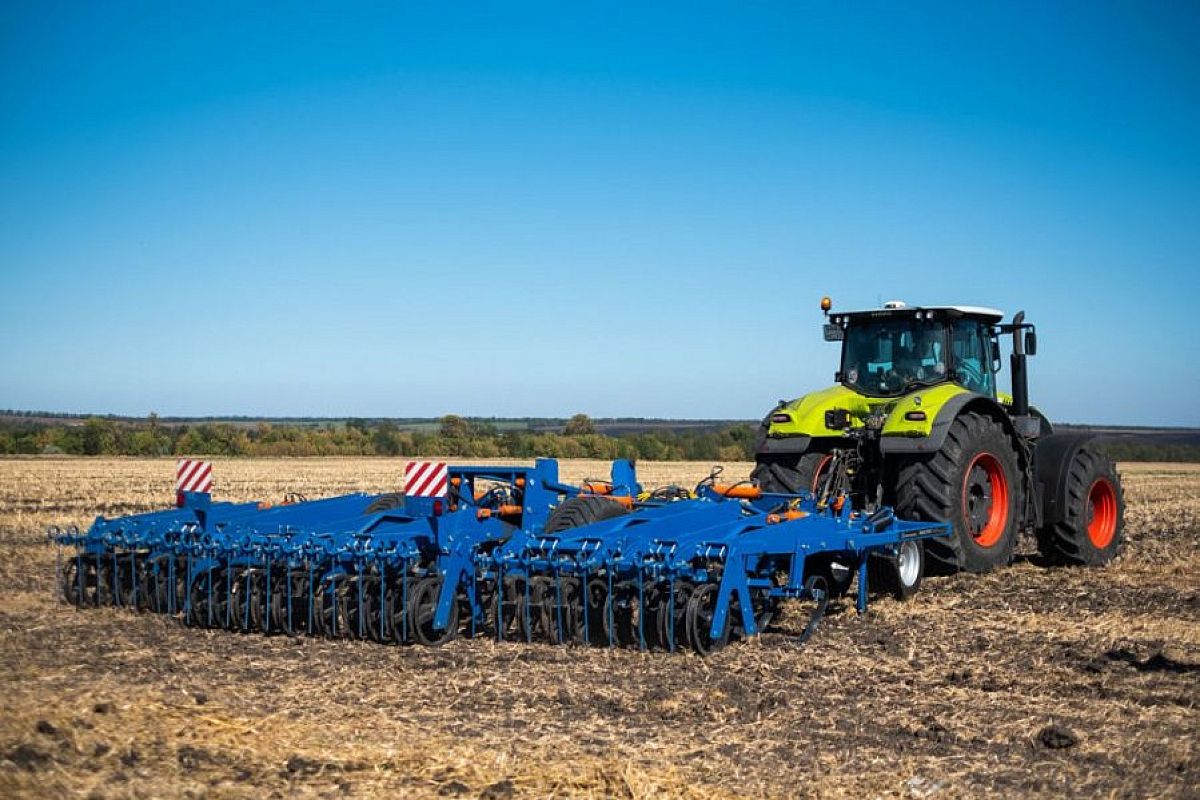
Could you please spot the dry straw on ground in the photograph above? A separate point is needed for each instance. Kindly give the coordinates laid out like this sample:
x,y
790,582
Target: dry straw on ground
x,y
1025,681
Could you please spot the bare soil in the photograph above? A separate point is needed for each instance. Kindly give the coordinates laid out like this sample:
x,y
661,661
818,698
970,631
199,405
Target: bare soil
x,y
1026,681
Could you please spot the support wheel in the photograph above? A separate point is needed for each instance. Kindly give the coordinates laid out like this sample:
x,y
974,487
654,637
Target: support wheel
x,y
897,574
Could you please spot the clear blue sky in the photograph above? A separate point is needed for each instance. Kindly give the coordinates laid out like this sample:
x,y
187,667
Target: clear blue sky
x,y
289,209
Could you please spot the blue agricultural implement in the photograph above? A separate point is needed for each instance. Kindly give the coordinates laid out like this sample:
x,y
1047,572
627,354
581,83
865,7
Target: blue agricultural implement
x,y
506,552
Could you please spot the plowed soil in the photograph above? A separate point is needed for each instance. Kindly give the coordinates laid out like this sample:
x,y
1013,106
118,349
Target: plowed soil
x,y
1026,681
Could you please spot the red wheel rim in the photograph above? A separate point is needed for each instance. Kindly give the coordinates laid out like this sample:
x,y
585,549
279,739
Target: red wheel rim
x,y
1102,513
985,499
817,473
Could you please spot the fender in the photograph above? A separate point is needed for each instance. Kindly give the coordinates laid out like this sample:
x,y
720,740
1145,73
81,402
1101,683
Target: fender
x,y
941,424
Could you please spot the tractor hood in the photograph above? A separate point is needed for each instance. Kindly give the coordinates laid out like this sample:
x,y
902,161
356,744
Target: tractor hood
x,y
824,414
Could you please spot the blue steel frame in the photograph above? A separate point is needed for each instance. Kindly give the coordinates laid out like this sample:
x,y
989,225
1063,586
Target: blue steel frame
x,y
354,573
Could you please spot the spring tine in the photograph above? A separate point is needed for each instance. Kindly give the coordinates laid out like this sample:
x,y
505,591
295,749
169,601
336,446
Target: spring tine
x,y
333,607
383,633
290,588
528,626
228,596
608,606
171,598
361,576
671,616
310,597
499,600
584,597
404,599
641,611
210,603
133,577
116,581
246,603
558,604
473,601
266,617
187,588
79,576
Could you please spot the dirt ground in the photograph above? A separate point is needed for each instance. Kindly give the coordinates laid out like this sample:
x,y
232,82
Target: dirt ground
x,y
1027,681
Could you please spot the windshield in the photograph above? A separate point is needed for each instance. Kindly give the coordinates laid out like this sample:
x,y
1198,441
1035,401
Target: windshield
x,y
888,357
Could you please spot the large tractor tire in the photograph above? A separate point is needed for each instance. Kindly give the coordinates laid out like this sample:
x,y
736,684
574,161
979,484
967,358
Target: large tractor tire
x,y
584,509
791,474
974,483
1089,526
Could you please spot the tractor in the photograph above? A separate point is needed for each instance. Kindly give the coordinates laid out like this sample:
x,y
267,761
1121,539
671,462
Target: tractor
x,y
916,421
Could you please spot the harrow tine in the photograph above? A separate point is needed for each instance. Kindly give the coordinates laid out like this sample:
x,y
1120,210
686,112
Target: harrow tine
x,y
608,607
558,604
528,620
584,597
499,600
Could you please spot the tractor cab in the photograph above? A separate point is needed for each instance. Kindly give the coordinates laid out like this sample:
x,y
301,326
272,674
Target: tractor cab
x,y
899,349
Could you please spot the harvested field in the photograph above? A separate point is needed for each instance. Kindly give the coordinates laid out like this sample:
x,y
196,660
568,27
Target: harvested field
x,y
1026,681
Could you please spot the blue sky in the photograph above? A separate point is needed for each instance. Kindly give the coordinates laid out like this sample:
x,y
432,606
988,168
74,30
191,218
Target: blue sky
x,y
509,209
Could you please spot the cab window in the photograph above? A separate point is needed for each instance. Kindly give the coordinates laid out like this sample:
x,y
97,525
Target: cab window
x,y
972,359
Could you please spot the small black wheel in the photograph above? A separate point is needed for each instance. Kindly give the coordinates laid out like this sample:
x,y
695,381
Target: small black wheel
x,y
897,574
423,604
700,611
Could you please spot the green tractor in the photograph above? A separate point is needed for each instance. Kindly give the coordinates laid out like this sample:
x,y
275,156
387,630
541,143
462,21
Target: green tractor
x,y
916,422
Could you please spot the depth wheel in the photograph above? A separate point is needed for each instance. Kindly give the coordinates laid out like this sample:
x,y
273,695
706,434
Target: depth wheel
x,y
897,574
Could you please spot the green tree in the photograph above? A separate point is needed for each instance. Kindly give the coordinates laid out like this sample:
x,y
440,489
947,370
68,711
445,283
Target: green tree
x,y
579,425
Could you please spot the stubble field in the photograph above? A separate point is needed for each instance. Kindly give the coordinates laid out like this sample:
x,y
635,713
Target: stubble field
x,y
1026,681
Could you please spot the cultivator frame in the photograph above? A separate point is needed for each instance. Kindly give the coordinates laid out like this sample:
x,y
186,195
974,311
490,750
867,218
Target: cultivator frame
x,y
492,556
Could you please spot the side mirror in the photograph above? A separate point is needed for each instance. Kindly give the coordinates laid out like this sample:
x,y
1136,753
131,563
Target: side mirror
x,y
1031,342
837,377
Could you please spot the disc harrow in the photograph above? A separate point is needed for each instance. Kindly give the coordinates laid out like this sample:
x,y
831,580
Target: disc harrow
x,y
506,552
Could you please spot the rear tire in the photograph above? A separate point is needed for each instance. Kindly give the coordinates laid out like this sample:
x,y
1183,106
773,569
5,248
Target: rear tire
x,y
1093,529
972,482
790,474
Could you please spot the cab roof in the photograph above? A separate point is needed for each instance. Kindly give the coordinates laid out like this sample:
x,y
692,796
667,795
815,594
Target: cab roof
x,y
896,308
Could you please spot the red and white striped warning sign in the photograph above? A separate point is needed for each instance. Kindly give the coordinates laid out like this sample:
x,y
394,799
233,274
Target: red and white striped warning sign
x,y
425,479
192,475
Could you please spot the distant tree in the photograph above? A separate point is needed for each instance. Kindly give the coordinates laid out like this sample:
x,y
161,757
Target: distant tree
x,y
579,425
454,427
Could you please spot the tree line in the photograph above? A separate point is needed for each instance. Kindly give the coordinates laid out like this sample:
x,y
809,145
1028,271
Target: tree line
x,y
453,436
